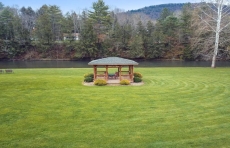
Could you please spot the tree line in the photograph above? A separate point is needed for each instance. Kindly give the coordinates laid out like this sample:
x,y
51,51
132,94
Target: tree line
x,y
47,33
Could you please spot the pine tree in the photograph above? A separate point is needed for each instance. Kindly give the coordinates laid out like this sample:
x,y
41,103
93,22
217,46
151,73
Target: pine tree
x,y
6,24
100,19
185,23
43,28
88,38
48,24
186,31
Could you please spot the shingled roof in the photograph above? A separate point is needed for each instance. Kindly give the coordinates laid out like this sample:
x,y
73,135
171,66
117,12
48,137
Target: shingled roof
x,y
113,61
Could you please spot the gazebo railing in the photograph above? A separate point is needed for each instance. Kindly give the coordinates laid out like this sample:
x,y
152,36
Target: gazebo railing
x,y
105,76
101,75
126,75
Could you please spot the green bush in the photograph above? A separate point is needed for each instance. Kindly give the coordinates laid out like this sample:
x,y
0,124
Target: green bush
x,y
125,82
88,79
100,82
137,74
89,75
137,79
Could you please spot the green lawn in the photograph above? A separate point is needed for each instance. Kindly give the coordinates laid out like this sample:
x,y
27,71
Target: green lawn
x,y
176,107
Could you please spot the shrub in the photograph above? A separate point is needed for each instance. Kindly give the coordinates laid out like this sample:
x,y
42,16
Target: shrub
x,y
88,79
137,79
137,74
89,75
125,82
100,82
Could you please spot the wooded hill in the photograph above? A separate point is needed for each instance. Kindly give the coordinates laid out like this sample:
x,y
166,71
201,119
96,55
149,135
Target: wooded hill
x,y
154,12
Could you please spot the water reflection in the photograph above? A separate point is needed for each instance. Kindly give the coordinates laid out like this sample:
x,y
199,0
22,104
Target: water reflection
x,y
182,63
84,64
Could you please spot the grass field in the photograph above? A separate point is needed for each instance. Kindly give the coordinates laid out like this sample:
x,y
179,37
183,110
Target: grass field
x,y
176,107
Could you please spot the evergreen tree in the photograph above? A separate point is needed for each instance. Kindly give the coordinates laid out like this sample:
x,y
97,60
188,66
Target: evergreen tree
x,y
100,19
125,36
142,34
153,48
88,38
186,31
1,6
55,16
43,25
159,34
136,46
185,23
48,24
88,41
170,31
170,26
6,23
164,14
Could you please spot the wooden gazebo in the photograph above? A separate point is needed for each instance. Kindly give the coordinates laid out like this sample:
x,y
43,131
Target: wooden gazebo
x,y
101,67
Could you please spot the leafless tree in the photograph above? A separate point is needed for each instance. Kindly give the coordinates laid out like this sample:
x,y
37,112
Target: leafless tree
x,y
28,19
124,18
76,22
215,14
201,38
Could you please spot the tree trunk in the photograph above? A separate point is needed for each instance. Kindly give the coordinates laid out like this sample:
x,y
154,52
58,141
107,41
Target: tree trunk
x,y
214,61
216,45
220,7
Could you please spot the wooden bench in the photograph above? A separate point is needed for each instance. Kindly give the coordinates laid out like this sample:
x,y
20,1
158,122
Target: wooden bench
x,y
1,71
113,76
9,71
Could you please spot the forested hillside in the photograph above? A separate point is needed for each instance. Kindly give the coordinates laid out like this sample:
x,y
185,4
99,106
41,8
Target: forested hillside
x,y
47,33
155,11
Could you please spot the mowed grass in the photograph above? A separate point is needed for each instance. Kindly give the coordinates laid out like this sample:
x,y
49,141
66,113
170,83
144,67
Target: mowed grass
x,y
176,107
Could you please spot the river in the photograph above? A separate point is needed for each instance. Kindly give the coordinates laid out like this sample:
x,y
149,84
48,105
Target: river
x,y
84,64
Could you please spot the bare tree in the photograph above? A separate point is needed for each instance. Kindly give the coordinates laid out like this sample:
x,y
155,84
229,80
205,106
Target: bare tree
x,y
133,19
76,22
215,14
201,38
28,19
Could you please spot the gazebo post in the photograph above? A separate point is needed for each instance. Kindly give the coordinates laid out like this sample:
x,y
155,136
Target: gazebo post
x,y
95,71
131,74
106,74
119,72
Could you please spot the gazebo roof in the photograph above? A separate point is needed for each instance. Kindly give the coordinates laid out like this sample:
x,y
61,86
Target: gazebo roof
x,y
113,61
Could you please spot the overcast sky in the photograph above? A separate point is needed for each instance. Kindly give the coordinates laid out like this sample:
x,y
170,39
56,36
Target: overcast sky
x,y
79,5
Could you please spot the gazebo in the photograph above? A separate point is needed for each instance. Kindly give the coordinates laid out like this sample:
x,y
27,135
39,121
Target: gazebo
x,y
124,69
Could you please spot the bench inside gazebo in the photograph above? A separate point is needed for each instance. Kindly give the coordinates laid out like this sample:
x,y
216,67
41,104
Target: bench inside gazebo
x,y
123,69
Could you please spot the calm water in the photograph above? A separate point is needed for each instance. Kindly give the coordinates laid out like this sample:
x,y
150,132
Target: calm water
x,y
84,64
